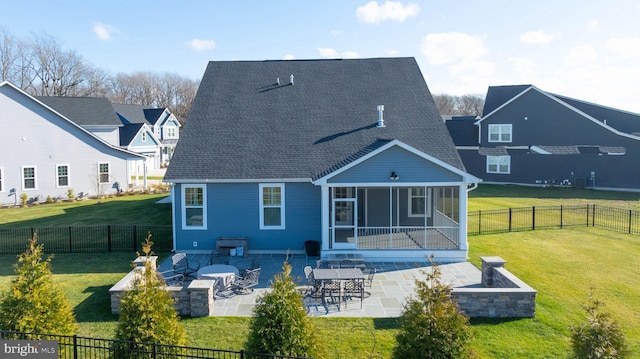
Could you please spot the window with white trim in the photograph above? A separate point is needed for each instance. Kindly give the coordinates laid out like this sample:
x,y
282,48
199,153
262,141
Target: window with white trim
x,y
272,206
144,137
29,177
500,133
419,202
171,132
103,172
194,203
499,164
62,175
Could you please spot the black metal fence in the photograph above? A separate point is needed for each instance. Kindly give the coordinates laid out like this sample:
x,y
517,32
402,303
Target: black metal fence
x,y
88,239
75,347
532,218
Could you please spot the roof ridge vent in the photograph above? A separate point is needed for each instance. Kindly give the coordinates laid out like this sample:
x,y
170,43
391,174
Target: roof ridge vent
x,y
291,79
380,116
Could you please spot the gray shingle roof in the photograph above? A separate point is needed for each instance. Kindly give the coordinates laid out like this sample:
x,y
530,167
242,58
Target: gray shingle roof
x,y
498,95
128,132
84,111
463,130
131,113
244,125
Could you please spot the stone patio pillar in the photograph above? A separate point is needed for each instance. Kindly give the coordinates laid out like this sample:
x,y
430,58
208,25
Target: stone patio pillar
x,y
488,263
139,262
201,294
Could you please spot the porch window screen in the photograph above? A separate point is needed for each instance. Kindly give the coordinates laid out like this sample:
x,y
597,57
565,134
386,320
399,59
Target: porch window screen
x,y
272,206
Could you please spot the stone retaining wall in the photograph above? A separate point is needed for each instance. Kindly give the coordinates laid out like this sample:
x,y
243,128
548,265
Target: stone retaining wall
x,y
194,298
502,295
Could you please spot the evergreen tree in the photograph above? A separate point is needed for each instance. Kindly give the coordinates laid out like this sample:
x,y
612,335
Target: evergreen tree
x,y
600,337
34,303
431,325
280,325
147,314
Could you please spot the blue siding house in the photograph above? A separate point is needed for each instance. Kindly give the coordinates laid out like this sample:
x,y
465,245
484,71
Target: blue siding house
x,y
350,153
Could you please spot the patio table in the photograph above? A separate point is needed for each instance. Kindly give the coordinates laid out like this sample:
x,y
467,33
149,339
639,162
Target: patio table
x,y
224,274
342,275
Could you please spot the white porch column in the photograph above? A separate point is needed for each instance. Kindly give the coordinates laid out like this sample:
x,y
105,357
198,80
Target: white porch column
x,y
462,232
324,216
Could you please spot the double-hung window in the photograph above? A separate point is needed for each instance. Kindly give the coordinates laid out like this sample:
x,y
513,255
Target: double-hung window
x,y
62,173
29,177
194,204
499,164
272,206
103,172
500,133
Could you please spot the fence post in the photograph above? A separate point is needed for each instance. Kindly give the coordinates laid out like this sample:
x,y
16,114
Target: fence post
x,y
630,213
109,237
533,218
510,217
561,221
70,239
75,346
242,354
479,221
593,216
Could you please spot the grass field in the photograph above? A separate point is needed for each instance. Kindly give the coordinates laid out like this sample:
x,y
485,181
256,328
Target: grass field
x,y
560,264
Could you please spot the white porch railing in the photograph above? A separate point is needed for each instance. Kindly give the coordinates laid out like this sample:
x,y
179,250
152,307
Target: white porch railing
x,y
444,237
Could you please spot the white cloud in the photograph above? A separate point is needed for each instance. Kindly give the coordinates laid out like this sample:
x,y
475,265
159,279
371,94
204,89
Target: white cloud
x,y
336,32
451,47
581,55
200,44
328,52
289,57
103,31
593,24
536,37
391,52
625,47
375,13
523,66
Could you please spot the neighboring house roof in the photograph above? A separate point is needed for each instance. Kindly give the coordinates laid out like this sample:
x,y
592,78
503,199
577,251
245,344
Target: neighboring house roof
x,y
622,121
130,113
128,132
250,121
499,95
463,130
84,111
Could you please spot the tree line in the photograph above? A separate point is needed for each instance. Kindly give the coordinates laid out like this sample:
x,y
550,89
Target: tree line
x,y
464,105
40,66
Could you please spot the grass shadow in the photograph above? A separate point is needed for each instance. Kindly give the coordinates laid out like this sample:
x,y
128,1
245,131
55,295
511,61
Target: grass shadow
x,y
515,191
96,307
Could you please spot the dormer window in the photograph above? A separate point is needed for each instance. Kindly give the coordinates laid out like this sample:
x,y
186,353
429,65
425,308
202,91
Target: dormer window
x,y
500,133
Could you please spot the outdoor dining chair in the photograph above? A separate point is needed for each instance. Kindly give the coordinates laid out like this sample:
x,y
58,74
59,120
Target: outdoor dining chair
x,y
347,263
244,285
243,266
171,279
370,274
182,265
315,286
218,258
354,288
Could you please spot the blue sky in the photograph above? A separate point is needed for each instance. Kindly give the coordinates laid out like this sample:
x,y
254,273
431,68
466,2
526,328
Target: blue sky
x,y
588,50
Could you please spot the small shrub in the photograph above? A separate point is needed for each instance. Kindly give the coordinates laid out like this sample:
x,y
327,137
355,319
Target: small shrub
x,y
34,303
24,198
147,314
431,325
49,199
600,337
71,194
280,325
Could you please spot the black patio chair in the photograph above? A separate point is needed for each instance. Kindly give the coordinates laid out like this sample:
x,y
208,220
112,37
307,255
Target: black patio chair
x,y
314,286
354,288
182,265
244,285
370,274
243,266
218,258
171,279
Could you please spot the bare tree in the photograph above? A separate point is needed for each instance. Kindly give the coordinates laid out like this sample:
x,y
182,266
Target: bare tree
x,y
8,56
58,72
465,105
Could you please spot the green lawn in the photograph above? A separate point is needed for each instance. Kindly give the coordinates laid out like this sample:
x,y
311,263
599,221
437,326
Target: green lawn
x,y
560,264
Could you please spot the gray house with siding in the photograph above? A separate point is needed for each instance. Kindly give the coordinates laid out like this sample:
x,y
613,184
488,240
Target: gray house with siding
x,y
44,153
532,137
350,153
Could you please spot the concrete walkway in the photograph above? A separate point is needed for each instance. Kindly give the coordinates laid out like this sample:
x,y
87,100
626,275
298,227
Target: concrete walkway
x,y
392,284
